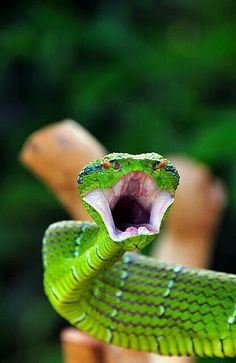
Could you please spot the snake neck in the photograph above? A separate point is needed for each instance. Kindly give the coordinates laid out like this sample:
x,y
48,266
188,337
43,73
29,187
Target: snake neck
x,y
102,254
66,276
94,257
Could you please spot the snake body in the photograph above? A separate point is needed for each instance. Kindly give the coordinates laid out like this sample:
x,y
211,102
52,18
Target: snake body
x,y
94,281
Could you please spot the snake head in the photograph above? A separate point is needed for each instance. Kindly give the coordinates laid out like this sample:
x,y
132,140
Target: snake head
x,y
129,195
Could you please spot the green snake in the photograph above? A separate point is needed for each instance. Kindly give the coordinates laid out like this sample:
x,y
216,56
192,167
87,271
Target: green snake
x,y
94,281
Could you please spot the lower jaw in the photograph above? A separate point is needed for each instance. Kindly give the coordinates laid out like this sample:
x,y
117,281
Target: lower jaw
x,y
136,242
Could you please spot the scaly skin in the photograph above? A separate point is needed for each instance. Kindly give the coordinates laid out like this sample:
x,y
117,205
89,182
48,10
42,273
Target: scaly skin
x,y
129,300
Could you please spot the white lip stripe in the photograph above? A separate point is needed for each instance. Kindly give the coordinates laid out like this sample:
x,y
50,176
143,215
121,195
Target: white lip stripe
x,y
97,200
160,205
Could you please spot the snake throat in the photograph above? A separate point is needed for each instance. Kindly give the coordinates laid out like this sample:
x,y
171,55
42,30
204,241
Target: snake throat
x,y
134,205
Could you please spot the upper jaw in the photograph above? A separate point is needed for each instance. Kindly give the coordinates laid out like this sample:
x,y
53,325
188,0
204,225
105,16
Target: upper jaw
x,y
133,206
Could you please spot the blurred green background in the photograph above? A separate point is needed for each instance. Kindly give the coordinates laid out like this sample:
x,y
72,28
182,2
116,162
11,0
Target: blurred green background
x,y
141,75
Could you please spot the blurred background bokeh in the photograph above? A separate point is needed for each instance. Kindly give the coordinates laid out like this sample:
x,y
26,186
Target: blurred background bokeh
x,y
140,75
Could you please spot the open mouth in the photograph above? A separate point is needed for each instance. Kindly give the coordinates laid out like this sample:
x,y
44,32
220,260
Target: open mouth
x,y
134,205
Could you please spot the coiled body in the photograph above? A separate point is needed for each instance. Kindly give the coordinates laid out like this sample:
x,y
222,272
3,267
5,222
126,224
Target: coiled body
x,y
139,303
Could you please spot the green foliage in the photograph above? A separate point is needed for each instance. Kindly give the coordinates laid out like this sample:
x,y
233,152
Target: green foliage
x,y
142,76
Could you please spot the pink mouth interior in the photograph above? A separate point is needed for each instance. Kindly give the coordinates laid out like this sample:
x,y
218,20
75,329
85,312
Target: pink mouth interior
x,y
134,205
129,215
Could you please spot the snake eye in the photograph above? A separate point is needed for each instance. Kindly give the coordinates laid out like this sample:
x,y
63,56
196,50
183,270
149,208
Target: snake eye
x,y
116,165
155,165
106,164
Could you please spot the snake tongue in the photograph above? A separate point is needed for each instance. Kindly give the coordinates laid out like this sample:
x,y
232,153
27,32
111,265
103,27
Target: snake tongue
x,y
133,206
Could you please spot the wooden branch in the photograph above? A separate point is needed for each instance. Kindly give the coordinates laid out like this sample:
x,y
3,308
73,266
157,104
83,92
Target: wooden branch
x,y
80,348
56,154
